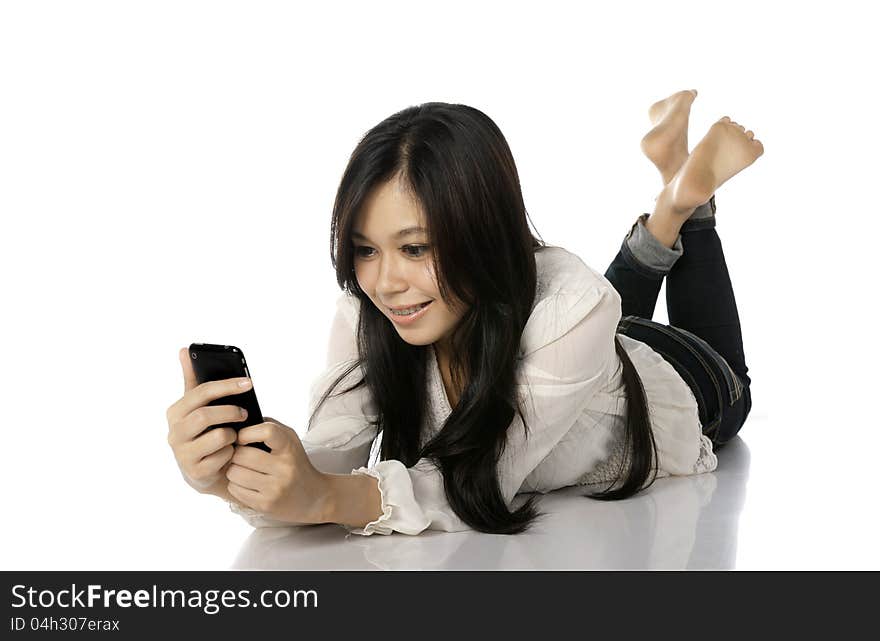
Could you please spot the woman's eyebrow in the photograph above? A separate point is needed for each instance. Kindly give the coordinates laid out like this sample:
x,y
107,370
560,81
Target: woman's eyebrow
x,y
408,231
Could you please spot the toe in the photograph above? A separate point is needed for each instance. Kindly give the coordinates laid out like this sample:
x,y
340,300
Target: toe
x,y
750,134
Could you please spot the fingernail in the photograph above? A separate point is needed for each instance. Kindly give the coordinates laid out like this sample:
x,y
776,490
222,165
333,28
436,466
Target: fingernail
x,y
243,411
244,383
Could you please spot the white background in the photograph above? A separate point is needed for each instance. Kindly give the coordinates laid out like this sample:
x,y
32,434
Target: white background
x,y
167,174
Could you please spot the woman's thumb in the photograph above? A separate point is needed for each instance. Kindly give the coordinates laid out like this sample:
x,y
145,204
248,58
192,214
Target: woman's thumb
x,y
189,375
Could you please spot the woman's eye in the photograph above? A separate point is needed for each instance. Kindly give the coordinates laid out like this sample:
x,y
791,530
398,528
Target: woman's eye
x,y
420,249
414,251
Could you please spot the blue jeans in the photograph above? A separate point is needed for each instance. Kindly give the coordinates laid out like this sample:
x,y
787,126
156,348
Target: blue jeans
x,y
703,340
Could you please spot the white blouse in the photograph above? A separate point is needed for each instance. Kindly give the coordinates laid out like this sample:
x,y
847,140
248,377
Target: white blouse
x,y
572,394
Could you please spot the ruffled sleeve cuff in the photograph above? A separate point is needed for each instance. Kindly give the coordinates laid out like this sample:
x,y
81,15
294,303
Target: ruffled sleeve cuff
x,y
400,511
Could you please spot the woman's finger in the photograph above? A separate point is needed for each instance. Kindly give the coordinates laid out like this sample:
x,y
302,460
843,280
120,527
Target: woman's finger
x,y
190,453
246,478
244,495
189,375
199,420
271,434
212,441
213,463
209,391
254,459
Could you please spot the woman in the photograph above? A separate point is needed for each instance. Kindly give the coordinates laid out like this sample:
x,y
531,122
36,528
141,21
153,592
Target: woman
x,y
477,362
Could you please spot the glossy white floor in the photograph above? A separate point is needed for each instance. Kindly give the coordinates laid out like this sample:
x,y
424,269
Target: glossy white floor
x,y
763,508
780,499
684,522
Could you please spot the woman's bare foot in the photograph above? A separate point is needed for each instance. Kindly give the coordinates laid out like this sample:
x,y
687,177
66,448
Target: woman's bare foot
x,y
723,152
666,144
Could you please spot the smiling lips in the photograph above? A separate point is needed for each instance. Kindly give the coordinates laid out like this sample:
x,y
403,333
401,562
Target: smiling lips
x,y
403,307
411,318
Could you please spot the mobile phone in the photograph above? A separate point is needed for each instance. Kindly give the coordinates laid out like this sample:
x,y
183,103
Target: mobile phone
x,y
218,362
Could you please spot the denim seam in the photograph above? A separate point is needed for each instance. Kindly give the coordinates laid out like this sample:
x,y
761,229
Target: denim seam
x,y
663,330
711,423
697,224
734,385
648,250
638,267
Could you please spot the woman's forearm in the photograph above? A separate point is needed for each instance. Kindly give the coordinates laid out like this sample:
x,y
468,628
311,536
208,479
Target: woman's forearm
x,y
353,499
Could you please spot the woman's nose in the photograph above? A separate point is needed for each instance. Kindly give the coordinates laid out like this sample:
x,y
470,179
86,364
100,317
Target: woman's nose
x,y
391,277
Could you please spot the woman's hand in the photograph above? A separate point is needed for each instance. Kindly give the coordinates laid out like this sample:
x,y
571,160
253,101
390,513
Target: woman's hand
x,y
282,484
203,456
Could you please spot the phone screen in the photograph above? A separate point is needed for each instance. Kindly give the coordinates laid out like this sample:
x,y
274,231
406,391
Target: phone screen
x,y
218,362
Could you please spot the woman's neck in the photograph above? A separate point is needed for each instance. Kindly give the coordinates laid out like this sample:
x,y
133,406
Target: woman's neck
x,y
452,394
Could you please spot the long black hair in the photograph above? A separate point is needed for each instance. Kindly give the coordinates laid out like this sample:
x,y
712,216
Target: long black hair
x,y
456,163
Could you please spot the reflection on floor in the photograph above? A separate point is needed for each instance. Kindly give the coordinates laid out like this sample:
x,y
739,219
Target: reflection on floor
x,y
678,523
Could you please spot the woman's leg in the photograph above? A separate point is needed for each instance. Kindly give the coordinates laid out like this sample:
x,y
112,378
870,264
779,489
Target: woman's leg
x,y
700,299
637,284
703,358
699,294
638,269
643,260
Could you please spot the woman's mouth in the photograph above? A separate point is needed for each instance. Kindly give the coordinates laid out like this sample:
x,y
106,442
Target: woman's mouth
x,y
411,315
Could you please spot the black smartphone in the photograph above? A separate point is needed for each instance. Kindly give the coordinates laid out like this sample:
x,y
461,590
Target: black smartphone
x,y
218,362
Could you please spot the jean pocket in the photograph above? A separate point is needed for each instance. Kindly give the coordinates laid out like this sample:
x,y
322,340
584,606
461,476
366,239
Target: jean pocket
x,y
694,351
731,379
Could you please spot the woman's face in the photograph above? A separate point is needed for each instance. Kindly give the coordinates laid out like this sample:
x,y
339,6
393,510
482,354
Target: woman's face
x,y
396,270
